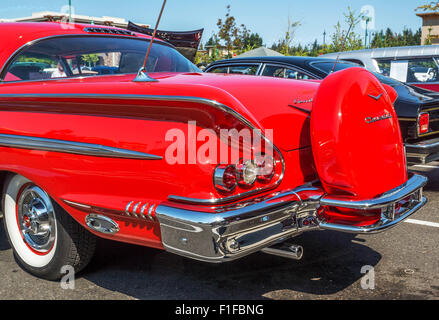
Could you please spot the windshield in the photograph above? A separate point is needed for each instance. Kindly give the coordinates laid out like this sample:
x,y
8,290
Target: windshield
x,y
64,57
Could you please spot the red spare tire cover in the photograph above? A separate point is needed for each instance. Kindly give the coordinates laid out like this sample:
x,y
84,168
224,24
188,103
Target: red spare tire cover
x,y
355,136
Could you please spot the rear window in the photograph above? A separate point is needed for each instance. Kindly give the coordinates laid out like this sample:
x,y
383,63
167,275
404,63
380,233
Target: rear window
x,y
423,70
66,57
327,66
384,67
236,69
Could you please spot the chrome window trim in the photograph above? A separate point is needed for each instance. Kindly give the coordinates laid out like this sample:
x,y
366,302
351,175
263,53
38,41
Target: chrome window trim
x,y
237,64
11,58
287,66
205,101
64,146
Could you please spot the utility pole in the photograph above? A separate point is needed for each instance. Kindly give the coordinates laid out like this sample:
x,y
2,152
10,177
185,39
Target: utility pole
x,y
366,20
70,11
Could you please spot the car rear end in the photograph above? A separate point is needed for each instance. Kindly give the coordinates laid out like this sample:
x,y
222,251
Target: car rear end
x,y
363,185
424,146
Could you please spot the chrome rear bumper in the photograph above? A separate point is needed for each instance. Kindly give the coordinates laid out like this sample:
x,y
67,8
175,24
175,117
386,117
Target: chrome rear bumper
x,y
236,231
423,152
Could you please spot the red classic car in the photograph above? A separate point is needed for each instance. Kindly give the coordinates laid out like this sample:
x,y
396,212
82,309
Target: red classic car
x,y
211,167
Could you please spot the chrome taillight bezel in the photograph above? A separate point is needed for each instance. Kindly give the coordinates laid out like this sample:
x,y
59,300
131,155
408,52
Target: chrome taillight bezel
x,y
218,177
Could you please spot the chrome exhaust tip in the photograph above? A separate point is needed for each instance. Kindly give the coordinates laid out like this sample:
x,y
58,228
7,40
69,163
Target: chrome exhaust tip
x,y
101,224
290,251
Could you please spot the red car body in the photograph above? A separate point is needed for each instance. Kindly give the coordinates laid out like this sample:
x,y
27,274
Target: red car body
x,y
97,145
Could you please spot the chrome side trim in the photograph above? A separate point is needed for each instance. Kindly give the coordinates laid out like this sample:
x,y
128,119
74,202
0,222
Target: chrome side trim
x,y
208,102
142,211
150,212
87,149
205,101
135,208
127,208
101,224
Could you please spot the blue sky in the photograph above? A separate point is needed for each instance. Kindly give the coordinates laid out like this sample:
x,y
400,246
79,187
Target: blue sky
x,y
267,17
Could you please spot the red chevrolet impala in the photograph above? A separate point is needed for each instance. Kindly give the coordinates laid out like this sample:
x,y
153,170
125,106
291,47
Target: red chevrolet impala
x,y
210,167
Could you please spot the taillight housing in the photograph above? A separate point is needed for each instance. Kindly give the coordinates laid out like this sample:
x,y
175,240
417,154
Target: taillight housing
x,y
266,167
225,178
423,123
245,173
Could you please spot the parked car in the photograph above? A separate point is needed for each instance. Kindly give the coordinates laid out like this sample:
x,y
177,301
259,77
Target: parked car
x,y
417,108
416,65
163,160
105,69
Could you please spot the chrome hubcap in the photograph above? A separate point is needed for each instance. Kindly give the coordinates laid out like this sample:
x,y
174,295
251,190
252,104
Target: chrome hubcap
x,y
36,219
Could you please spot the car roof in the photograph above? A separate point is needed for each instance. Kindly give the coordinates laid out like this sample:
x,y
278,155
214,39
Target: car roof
x,y
297,61
37,30
284,59
16,35
393,52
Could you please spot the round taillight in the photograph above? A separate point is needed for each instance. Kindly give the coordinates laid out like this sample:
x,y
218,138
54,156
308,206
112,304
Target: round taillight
x,y
247,172
225,178
266,167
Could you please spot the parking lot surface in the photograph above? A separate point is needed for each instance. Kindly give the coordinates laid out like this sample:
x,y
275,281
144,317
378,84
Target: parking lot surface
x,y
405,261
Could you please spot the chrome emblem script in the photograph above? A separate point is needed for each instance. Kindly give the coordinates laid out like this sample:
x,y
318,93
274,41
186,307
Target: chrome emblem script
x,y
376,97
376,119
299,101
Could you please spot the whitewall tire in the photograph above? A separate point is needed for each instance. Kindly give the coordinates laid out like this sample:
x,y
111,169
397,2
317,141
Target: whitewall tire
x,y
43,236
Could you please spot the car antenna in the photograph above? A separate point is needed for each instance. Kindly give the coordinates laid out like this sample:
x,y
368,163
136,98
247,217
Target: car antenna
x,y
142,75
342,46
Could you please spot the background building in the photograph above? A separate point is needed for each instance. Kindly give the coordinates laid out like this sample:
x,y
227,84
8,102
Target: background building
x,y
45,16
430,27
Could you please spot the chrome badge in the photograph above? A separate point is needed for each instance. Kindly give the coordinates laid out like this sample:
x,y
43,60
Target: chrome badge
x,y
300,101
376,119
376,97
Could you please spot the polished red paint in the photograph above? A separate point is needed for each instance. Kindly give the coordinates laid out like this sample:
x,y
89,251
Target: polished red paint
x,y
428,86
352,157
354,154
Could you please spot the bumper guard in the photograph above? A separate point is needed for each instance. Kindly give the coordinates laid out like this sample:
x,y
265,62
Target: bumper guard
x,y
423,152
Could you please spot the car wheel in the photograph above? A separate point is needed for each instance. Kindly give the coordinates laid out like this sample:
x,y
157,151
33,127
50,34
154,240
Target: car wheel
x,y
43,236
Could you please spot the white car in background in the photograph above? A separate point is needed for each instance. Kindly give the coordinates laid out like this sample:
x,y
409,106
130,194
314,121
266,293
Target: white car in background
x,y
417,65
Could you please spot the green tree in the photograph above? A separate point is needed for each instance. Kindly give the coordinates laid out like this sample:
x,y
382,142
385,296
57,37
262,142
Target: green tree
x,y
347,40
227,30
236,38
90,59
388,38
284,44
432,6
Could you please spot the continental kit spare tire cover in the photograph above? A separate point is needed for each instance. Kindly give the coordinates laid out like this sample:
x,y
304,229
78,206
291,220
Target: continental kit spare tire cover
x,y
355,136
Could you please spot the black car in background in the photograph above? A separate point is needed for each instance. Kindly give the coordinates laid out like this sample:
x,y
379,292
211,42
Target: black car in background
x,y
417,109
